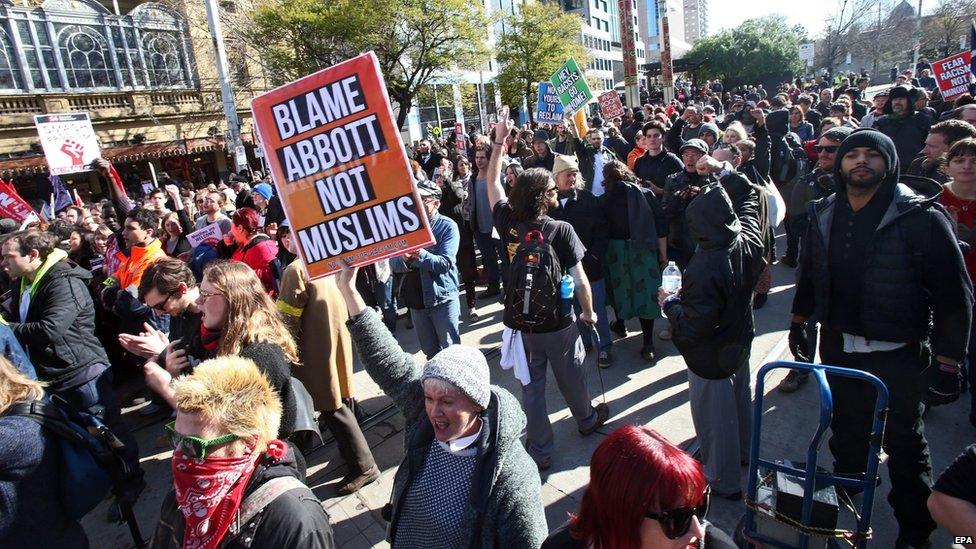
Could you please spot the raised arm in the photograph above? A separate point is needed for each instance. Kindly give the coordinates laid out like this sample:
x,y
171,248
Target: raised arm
x,y
385,361
494,171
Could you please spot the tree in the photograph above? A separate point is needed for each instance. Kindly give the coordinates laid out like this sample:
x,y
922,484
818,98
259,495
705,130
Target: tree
x,y
536,42
751,52
843,32
949,21
414,40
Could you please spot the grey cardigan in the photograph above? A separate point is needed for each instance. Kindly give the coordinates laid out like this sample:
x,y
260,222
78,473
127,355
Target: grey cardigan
x,y
505,507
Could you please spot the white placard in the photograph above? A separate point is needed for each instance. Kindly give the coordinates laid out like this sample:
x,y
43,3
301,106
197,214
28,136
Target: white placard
x,y
210,232
68,140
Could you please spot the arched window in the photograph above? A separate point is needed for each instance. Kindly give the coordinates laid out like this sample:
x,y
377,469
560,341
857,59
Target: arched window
x,y
8,65
86,57
68,45
163,57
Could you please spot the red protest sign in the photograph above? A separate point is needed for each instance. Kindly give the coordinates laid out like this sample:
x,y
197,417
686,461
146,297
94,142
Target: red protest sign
x,y
12,205
610,105
341,171
953,74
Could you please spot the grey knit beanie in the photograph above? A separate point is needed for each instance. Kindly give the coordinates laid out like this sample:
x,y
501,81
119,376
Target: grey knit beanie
x,y
465,368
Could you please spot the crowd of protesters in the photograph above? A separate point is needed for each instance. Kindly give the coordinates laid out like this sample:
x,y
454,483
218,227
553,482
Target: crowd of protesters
x,y
876,197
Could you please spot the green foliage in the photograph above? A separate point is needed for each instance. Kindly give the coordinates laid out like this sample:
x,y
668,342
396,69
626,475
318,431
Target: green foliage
x,y
537,41
754,50
414,40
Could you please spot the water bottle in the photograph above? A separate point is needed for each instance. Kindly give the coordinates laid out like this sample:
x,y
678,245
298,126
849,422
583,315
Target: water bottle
x,y
566,289
671,280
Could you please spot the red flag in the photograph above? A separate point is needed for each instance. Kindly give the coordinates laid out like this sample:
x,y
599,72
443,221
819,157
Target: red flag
x,y
12,205
116,179
78,201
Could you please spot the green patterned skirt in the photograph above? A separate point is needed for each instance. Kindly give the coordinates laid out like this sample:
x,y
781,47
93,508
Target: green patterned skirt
x,y
633,278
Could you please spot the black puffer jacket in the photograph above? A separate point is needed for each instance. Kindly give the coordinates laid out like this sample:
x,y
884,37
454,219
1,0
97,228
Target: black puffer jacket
x,y
712,324
294,519
908,132
915,284
59,330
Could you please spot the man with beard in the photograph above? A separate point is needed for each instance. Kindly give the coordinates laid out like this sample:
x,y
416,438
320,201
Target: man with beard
x,y
907,128
565,142
817,184
879,262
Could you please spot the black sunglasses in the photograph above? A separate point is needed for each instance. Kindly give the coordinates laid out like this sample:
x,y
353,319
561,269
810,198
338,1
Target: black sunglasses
x,y
160,306
676,522
827,149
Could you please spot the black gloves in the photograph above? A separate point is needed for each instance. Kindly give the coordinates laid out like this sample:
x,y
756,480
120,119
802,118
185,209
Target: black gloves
x,y
798,342
943,383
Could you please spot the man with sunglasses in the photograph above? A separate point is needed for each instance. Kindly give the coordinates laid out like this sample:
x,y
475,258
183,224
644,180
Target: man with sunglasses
x,y
168,288
234,484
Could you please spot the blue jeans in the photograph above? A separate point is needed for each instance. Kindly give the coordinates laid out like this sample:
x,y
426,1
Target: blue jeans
x,y
492,250
598,290
437,326
386,301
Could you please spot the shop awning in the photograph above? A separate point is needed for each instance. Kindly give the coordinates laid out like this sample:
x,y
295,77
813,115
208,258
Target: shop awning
x,y
126,153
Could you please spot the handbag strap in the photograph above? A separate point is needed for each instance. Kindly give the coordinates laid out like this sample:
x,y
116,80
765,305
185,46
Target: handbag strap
x,y
260,498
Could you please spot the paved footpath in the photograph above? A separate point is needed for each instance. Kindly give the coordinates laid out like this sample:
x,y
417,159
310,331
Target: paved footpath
x,y
656,396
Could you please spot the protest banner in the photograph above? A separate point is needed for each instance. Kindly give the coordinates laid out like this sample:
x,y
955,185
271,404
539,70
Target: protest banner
x,y
12,205
210,232
571,86
68,141
548,109
341,170
610,105
953,74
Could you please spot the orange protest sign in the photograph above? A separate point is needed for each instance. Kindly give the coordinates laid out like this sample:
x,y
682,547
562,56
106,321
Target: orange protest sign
x,y
340,167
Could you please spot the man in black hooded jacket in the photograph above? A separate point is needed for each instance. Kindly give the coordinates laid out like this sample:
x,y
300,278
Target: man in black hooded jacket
x,y
711,319
882,270
907,128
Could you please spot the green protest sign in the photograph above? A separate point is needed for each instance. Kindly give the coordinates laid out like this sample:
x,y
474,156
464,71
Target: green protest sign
x,y
571,86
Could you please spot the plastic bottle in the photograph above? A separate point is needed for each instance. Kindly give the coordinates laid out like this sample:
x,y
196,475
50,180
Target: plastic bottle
x,y
671,279
566,289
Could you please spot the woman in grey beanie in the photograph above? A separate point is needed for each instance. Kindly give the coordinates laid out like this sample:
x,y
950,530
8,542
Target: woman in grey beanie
x,y
466,480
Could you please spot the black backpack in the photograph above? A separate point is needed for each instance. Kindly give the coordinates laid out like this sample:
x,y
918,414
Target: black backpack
x,y
787,159
532,301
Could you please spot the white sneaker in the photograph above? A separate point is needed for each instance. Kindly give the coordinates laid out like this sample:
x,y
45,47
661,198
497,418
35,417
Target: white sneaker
x,y
665,334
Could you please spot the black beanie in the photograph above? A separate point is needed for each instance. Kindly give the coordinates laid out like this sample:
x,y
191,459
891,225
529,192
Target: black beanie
x,y
872,139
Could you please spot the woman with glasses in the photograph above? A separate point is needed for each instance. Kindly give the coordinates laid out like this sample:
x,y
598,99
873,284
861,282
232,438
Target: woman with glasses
x,y
30,456
237,318
234,484
644,493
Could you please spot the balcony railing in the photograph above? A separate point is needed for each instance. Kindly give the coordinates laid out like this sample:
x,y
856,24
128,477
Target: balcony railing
x,y
17,111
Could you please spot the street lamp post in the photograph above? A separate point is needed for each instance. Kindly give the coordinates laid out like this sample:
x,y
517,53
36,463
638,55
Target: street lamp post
x,y
227,94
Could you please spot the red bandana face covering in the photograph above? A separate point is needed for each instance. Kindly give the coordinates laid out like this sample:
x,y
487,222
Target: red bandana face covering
x,y
208,493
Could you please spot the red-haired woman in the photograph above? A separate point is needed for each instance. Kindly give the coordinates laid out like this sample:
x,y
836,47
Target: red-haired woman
x,y
644,493
248,244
